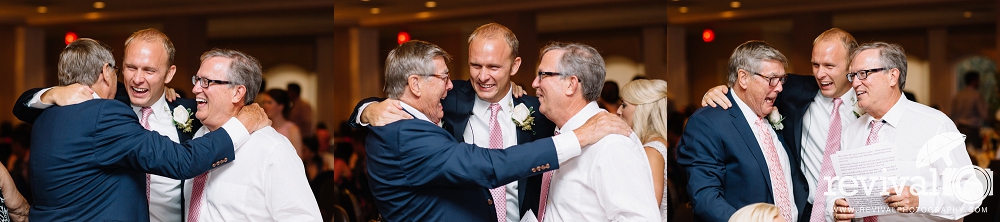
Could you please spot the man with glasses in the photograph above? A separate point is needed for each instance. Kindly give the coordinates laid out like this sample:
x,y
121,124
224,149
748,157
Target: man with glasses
x,y
735,157
269,182
878,79
89,159
420,172
148,65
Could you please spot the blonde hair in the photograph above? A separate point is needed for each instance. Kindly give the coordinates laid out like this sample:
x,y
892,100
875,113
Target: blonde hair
x,y
650,99
758,212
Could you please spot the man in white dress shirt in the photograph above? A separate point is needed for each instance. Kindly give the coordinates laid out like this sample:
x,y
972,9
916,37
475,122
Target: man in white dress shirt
x,y
878,78
611,179
269,181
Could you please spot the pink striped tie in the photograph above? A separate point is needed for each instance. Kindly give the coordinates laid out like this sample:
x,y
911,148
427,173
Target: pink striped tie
x,y
873,138
496,142
778,183
826,169
546,181
144,121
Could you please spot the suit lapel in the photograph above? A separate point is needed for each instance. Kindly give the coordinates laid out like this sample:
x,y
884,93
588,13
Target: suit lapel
x,y
465,99
740,123
181,135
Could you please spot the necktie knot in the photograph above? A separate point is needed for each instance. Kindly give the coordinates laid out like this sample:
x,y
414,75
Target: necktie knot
x,y
494,109
146,112
836,104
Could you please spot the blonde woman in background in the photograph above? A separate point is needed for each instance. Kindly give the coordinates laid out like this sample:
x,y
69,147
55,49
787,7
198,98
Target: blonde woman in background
x,y
644,108
758,212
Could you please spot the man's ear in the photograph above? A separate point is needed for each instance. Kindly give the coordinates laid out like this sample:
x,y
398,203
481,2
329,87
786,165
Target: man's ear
x,y
573,86
414,84
170,74
894,77
515,66
742,80
239,93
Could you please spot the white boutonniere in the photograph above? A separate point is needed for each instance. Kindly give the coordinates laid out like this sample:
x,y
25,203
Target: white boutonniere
x,y
182,118
858,111
522,117
775,118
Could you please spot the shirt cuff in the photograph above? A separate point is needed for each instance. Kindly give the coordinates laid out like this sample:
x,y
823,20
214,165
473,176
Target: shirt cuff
x,y
237,132
361,109
36,101
567,146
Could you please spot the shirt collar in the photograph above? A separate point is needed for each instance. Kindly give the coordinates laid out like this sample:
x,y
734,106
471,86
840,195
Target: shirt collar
x,y
747,112
481,107
158,107
95,95
581,117
895,113
413,111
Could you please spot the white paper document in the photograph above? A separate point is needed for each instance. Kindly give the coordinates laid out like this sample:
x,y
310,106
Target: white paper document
x,y
865,174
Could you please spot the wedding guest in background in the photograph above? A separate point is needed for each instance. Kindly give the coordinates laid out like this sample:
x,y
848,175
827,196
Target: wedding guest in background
x,y
302,112
644,108
968,110
276,104
758,212
610,99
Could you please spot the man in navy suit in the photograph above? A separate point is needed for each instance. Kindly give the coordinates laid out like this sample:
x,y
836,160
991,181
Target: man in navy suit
x,y
734,157
147,67
89,159
808,104
420,172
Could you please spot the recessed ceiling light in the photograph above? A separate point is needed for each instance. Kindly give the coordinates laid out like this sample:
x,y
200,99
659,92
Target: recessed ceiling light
x,y
734,4
364,0
967,14
431,4
42,9
683,9
375,11
98,5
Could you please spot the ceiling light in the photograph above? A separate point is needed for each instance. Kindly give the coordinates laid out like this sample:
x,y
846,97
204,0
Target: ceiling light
x,y
364,0
734,4
727,14
423,15
98,5
375,11
683,9
42,9
431,4
967,14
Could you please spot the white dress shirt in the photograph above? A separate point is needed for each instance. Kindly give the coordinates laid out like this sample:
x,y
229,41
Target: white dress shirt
x,y
164,192
478,132
816,128
266,182
751,118
609,181
910,125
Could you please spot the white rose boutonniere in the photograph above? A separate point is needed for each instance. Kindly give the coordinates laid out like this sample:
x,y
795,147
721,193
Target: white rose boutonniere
x,y
522,117
858,111
775,118
182,118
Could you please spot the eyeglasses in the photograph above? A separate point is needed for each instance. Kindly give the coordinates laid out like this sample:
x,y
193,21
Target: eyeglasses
x,y
444,77
773,81
542,75
205,82
113,68
862,74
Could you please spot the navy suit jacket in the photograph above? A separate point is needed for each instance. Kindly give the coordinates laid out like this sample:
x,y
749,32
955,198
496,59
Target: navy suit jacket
x,y
726,167
88,162
420,172
457,111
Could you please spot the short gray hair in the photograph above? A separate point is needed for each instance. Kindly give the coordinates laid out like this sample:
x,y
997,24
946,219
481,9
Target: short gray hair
x,y
582,61
890,55
748,56
244,70
82,61
410,58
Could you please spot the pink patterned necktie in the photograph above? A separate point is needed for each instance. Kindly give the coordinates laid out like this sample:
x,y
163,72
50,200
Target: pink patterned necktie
x,y
826,169
778,183
144,121
197,190
873,138
496,142
546,181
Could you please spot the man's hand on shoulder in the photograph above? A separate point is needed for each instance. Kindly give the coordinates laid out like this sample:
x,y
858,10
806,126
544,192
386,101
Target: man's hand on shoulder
x,y
171,94
383,113
601,125
253,117
67,95
716,96
516,90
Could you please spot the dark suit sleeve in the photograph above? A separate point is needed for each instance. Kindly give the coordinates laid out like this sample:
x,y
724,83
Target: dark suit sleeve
x,y
432,158
124,143
21,109
700,152
354,115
